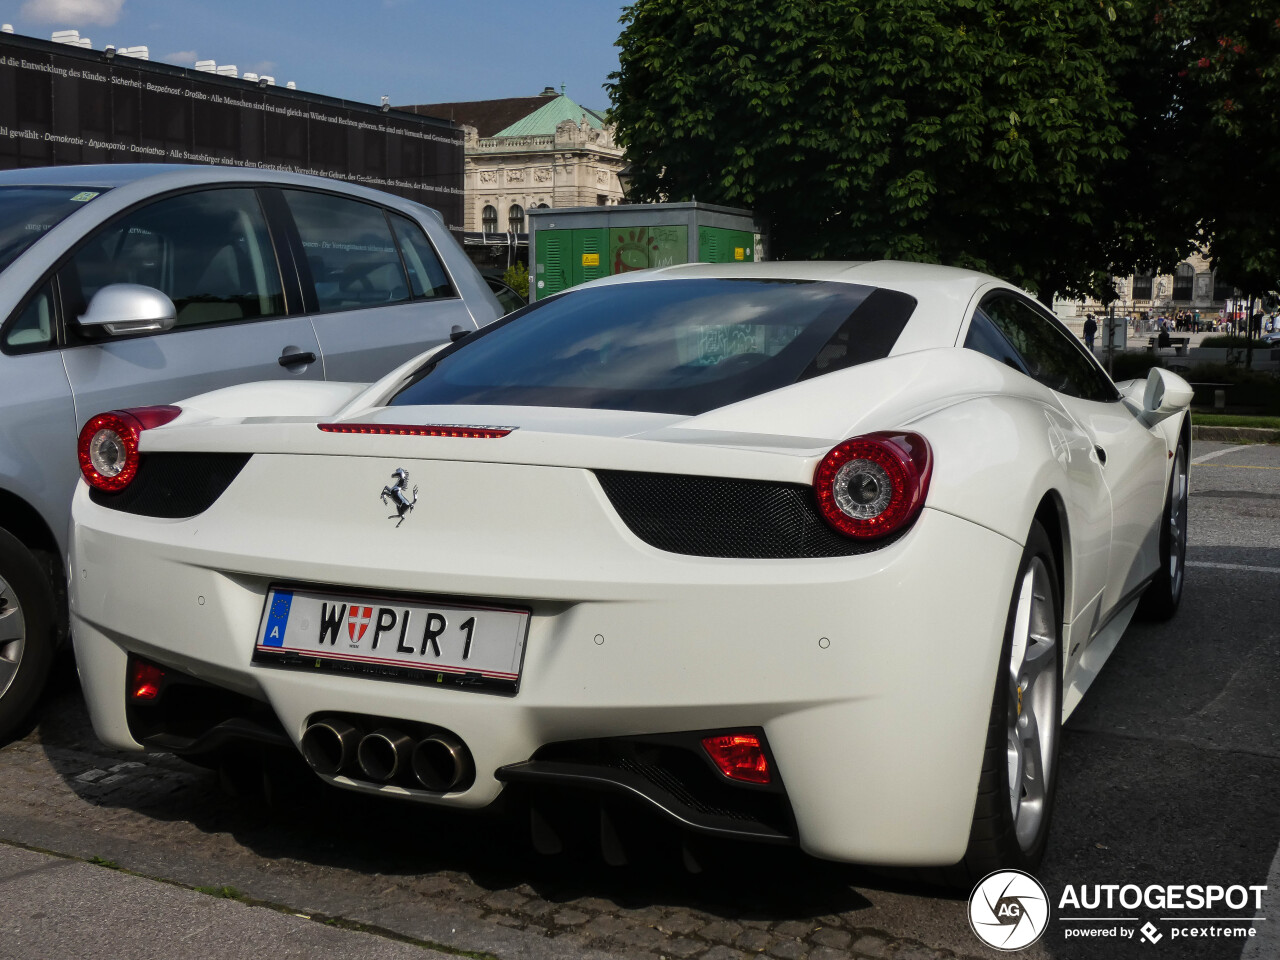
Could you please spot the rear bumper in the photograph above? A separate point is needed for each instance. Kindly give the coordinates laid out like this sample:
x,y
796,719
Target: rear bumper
x,y
871,676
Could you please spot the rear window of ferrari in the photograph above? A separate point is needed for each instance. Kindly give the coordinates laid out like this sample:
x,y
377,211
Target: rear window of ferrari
x,y
668,346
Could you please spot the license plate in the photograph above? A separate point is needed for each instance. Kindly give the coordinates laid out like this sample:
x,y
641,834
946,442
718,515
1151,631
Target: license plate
x,y
393,638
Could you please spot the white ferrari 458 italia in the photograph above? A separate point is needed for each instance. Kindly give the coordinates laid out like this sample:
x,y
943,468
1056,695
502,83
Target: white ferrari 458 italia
x,y
808,553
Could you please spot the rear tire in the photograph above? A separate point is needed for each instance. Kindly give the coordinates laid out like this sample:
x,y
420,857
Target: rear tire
x,y
1020,761
1163,595
27,628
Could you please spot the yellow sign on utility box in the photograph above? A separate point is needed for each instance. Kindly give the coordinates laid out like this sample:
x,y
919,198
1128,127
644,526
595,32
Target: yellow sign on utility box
x,y
591,259
739,253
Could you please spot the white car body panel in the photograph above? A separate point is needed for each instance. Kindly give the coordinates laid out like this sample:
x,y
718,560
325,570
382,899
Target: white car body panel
x,y
874,705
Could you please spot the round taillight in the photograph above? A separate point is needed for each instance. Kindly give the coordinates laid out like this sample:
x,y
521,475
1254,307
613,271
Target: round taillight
x,y
874,485
108,444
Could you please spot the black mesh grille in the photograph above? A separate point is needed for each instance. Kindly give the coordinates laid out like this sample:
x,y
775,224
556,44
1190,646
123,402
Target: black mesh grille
x,y
722,517
175,485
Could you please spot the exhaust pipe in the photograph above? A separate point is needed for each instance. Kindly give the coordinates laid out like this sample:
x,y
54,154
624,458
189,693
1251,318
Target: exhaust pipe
x,y
441,762
384,753
330,745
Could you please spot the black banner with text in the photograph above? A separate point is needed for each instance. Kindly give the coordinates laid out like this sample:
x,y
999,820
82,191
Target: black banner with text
x,y
79,107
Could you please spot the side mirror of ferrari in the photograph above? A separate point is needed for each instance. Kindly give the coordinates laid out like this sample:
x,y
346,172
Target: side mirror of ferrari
x,y
1166,393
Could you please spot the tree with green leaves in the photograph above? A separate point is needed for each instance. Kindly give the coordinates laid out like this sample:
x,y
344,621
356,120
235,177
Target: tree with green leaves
x,y
1226,60
984,133
517,278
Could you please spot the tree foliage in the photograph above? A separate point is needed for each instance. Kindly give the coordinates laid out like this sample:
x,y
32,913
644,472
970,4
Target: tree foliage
x,y
1225,63
517,278
973,132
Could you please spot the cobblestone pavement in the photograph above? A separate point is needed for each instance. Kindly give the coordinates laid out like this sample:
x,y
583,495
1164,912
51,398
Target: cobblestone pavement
x,y
1169,773
466,883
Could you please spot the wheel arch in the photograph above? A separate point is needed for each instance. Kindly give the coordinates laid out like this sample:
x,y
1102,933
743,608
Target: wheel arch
x,y
25,522
1051,514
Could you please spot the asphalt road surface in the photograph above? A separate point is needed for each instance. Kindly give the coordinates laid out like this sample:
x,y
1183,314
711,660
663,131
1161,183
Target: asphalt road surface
x,y
1169,777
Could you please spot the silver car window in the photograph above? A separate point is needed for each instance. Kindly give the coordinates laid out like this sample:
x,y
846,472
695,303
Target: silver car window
x,y
26,212
426,274
353,258
32,328
209,251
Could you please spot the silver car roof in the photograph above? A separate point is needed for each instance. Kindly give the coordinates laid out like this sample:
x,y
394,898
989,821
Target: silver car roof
x,y
157,177
97,175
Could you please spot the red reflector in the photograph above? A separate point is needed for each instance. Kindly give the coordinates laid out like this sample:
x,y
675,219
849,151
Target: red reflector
x,y
416,430
144,681
739,757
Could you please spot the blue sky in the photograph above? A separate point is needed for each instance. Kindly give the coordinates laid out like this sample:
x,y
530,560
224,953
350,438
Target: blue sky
x,y
413,51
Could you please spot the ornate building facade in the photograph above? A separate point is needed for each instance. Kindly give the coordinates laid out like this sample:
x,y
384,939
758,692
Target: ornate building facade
x,y
528,152
1192,287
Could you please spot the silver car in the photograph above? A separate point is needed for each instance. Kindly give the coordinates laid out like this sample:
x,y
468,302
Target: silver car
x,y
132,285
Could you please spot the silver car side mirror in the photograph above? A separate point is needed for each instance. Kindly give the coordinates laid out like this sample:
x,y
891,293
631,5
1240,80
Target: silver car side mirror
x,y
120,308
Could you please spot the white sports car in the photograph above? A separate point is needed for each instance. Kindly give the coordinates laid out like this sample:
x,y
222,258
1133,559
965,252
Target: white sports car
x,y
809,553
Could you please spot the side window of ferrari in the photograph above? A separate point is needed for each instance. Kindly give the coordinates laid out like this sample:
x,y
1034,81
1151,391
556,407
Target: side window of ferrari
x,y
985,337
1048,354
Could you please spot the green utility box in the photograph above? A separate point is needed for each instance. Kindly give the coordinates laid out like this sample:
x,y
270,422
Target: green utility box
x,y
577,244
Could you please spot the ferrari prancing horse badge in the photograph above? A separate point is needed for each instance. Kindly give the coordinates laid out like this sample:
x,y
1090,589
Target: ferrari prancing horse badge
x,y
394,493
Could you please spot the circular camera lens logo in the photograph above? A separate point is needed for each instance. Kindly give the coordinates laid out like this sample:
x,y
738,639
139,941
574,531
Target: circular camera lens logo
x,y
1009,910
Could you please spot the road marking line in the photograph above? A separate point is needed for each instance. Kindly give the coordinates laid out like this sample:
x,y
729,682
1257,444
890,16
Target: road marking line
x,y
1233,566
1266,943
1217,453
1233,466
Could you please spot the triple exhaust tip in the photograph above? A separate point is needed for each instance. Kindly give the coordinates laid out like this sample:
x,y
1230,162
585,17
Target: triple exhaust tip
x,y
439,762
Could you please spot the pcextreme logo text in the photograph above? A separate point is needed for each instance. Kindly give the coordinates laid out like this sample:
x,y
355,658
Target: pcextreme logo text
x,y
1183,911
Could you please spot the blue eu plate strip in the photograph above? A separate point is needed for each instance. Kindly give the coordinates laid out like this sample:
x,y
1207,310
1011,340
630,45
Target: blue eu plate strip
x,y
273,635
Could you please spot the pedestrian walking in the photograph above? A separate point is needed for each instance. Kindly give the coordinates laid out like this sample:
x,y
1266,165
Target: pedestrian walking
x,y
1090,331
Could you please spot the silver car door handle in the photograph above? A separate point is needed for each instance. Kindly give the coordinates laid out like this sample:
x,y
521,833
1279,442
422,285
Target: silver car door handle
x,y
293,359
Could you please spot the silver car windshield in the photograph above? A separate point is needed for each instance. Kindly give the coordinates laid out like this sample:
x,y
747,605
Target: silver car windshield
x,y
26,212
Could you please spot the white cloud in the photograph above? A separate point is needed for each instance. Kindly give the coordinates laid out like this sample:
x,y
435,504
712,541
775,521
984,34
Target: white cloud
x,y
186,58
73,12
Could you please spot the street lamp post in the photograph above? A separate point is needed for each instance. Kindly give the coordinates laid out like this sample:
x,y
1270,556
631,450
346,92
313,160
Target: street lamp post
x,y
624,182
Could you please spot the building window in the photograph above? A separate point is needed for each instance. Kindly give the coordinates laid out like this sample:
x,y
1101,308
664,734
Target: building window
x,y
1142,288
489,219
1222,289
1183,279
542,206
515,218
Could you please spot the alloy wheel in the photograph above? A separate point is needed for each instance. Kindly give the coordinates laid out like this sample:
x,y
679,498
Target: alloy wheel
x,y
1034,709
13,635
1179,489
